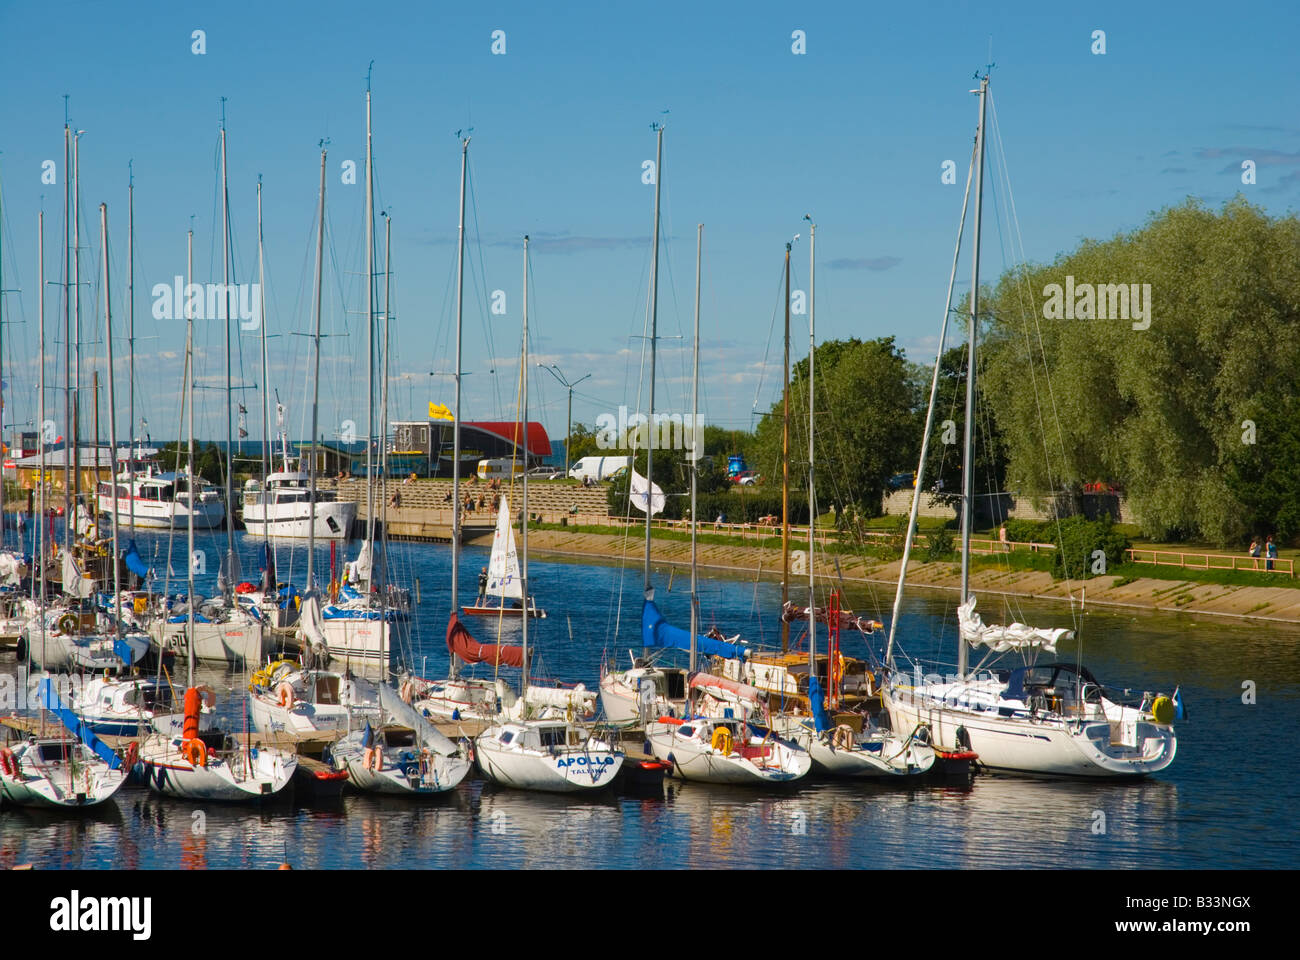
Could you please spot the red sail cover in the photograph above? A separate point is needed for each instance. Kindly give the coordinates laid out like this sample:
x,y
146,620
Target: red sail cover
x,y
470,650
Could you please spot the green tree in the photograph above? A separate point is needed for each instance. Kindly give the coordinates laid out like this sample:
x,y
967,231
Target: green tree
x,y
867,424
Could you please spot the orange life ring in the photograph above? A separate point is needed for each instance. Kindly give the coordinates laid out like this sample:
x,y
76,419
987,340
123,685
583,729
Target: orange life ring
x,y
196,752
284,692
8,762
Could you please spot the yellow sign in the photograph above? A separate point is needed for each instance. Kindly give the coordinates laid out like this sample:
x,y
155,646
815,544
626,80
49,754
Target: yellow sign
x,y
439,411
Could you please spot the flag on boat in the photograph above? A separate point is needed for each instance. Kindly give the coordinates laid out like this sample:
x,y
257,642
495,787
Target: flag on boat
x,y
134,562
1017,636
638,495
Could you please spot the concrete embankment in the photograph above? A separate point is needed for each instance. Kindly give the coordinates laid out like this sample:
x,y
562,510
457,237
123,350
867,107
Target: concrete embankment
x,y
1279,604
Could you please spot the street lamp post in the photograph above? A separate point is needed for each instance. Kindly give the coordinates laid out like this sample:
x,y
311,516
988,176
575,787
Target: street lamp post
x,y
558,374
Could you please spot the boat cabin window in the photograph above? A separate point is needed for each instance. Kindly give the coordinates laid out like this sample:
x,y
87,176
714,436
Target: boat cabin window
x,y
54,752
551,736
686,731
675,684
507,737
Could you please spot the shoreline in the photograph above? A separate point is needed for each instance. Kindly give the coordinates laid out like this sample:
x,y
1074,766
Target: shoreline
x,y
1264,604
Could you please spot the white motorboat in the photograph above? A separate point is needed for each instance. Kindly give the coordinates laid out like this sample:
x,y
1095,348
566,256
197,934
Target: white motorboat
x,y
283,507
725,750
162,500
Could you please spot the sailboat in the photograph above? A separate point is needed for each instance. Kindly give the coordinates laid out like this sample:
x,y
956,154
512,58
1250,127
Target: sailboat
x,y
199,764
855,746
411,757
1036,718
504,595
556,755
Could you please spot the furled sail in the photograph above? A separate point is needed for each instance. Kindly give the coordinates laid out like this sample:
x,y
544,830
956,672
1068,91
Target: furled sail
x,y
462,644
1000,639
658,632
408,716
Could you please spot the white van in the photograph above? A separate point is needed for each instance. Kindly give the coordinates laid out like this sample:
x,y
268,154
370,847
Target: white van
x,y
599,468
499,468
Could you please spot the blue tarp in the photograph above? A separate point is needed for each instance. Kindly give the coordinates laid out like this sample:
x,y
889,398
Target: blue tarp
x,y
818,701
658,632
49,699
134,562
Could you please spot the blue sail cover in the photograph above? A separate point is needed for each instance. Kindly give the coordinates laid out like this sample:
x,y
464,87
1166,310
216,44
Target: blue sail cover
x,y
658,632
818,701
49,699
134,562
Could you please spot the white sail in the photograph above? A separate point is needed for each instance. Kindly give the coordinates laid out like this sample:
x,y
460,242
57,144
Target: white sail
x,y
503,567
1017,636
657,498
310,631
362,566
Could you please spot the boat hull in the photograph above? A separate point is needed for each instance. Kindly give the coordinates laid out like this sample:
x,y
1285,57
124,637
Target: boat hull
x,y
248,780
233,642
332,521
1043,747
692,759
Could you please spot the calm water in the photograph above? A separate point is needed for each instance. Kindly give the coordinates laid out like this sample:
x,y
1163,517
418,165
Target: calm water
x,y
1228,800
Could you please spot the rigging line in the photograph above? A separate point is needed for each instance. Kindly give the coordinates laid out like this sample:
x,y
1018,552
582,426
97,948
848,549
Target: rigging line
x,y
777,306
1022,287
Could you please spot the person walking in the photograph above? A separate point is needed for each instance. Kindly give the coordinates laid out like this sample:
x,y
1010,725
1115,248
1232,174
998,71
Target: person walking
x,y
1254,551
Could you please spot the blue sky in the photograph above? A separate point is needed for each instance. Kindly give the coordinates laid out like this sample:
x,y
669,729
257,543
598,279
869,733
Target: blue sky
x,y
854,132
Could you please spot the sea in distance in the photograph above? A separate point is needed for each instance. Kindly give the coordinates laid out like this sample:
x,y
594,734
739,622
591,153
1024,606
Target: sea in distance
x,y
1228,800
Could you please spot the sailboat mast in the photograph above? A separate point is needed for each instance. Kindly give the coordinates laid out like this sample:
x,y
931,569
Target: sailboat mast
x,y
972,335
189,449
130,343
230,437
785,465
2,355
812,486
696,452
67,345
654,343
112,420
455,449
315,396
370,336
40,487
522,437
70,518
383,409
261,322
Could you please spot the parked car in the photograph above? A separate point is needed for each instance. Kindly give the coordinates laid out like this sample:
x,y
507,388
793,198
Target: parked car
x,y
902,481
746,478
546,473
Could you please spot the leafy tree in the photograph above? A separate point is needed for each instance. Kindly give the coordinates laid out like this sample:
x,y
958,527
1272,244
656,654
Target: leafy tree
x,y
867,424
1157,411
1263,472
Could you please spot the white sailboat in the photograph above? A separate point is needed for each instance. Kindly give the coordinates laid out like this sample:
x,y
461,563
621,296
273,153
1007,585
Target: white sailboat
x,y
557,756
504,594
198,764
414,758
1040,719
286,698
